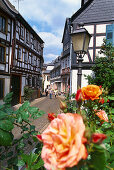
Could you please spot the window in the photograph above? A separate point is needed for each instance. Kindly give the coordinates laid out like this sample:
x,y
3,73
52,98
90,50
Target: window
x,y
48,78
2,24
32,60
27,36
35,44
25,57
29,80
2,54
110,34
22,32
19,54
1,88
33,81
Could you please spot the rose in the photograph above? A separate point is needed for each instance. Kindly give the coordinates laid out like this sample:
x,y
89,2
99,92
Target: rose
x,y
102,115
98,137
64,142
79,95
101,101
51,116
91,92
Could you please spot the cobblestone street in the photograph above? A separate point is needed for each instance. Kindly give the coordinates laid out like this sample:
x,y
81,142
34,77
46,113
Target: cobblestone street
x,y
48,105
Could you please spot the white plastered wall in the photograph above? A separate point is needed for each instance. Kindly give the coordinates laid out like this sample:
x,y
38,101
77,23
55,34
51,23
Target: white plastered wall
x,y
22,87
6,86
74,81
84,81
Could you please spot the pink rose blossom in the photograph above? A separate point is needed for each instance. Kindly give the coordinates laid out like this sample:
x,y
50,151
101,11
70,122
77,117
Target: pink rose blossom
x,y
64,142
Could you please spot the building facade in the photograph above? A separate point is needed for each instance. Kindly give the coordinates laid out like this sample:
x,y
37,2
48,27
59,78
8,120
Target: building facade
x,y
21,54
46,75
55,75
98,19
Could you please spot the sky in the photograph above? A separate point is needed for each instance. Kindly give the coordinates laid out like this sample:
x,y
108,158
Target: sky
x,y
47,18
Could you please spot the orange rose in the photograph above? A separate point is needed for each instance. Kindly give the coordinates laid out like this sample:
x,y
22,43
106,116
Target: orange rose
x,y
102,115
91,92
64,142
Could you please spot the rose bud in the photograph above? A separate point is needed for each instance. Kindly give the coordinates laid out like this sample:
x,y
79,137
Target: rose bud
x,y
101,101
79,95
39,137
63,105
98,137
51,116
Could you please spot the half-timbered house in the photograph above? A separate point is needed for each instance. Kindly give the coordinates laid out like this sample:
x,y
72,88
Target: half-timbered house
x,y
98,19
25,55
6,27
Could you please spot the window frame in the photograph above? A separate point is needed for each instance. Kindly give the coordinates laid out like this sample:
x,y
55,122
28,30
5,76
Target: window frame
x,y
19,53
3,18
22,32
4,53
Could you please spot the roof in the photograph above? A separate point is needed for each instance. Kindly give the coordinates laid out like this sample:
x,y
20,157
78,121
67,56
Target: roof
x,y
10,9
94,11
5,9
46,72
66,25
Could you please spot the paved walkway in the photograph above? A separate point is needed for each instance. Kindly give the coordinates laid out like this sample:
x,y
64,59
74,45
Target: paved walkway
x,y
46,104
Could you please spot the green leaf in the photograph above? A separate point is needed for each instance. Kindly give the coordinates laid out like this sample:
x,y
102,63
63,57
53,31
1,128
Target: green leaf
x,y
19,119
2,114
38,165
32,127
33,110
25,115
6,125
98,154
5,138
10,154
111,97
41,112
20,163
8,97
26,135
25,105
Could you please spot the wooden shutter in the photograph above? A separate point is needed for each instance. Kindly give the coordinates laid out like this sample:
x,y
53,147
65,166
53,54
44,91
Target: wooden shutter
x,y
110,34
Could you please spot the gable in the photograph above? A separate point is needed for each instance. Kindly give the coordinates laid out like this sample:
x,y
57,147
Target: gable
x,y
96,11
66,30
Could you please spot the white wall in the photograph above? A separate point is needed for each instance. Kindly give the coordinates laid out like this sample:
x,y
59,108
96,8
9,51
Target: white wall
x,y
22,86
50,67
83,81
6,86
74,81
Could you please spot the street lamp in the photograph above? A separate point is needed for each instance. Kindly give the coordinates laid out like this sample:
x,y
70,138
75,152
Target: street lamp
x,y
80,40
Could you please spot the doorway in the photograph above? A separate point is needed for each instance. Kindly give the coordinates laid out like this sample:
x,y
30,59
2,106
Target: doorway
x,y
16,89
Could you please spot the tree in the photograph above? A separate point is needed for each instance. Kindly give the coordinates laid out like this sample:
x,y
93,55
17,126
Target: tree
x,y
103,68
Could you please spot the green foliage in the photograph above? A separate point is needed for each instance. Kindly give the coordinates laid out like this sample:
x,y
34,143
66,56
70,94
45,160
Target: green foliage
x,y
103,69
27,93
22,119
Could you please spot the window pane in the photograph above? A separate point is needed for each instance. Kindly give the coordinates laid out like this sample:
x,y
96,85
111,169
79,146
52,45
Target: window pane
x,y
4,25
1,88
2,54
